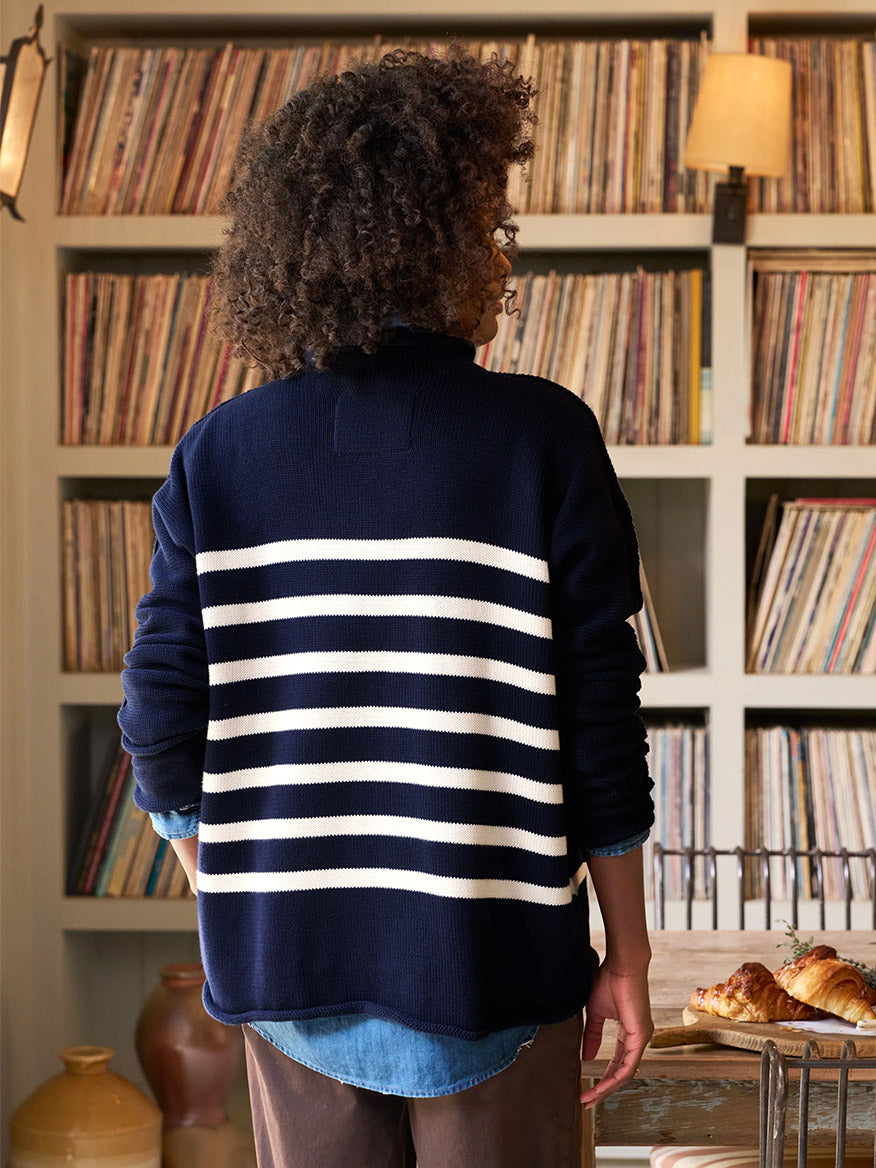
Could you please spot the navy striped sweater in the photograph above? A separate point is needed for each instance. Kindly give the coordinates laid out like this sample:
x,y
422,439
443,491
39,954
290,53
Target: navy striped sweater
x,y
386,652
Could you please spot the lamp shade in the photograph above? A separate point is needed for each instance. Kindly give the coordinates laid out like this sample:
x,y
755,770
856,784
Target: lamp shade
x,y
21,80
742,115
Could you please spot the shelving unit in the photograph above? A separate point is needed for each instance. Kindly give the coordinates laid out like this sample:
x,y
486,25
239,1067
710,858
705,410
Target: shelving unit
x,y
75,969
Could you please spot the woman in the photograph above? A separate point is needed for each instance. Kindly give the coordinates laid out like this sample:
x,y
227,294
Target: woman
x,y
383,694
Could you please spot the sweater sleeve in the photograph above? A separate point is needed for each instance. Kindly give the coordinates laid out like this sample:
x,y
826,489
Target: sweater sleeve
x,y
165,711
594,563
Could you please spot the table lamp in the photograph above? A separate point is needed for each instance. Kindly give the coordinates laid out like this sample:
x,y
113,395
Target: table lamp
x,y
741,124
21,79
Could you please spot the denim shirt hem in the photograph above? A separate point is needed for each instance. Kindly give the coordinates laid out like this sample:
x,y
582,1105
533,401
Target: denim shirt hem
x,y
526,1038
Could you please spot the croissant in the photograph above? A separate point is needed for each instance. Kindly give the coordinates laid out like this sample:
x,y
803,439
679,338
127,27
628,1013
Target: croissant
x,y
750,994
820,978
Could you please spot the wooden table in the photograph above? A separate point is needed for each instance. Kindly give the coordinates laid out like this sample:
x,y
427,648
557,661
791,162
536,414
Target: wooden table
x,y
705,1095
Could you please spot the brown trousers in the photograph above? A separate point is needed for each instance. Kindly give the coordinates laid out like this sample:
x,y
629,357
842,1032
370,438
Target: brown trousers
x,y
527,1116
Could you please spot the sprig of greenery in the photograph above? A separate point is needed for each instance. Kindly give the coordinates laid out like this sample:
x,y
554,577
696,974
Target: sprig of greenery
x,y
798,947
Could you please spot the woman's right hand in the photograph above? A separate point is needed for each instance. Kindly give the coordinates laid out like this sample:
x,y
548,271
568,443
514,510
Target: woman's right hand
x,y
623,997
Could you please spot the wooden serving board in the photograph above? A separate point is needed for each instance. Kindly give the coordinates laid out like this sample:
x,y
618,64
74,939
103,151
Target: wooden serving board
x,y
702,1027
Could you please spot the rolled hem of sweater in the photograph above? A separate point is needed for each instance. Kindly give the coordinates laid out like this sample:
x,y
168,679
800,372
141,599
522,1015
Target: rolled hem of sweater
x,y
377,1010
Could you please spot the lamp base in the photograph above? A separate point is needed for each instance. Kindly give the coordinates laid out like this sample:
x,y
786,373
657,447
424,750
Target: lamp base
x,y
728,221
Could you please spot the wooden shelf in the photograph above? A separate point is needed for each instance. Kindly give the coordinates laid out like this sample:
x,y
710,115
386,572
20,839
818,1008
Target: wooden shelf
x,y
810,692
90,689
830,462
113,461
537,232
614,232
685,688
795,231
689,689
276,17
138,232
662,462
153,461
105,914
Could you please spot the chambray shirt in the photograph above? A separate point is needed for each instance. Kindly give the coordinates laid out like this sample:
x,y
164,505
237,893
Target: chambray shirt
x,y
377,1053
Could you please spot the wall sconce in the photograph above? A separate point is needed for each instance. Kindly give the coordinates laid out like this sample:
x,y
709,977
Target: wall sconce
x,y
741,124
21,79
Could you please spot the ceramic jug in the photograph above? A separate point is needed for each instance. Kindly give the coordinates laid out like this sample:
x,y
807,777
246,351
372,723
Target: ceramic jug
x,y
86,1117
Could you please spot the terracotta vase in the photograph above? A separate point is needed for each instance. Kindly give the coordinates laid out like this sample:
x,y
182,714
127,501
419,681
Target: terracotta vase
x,y
87,1116
189,1059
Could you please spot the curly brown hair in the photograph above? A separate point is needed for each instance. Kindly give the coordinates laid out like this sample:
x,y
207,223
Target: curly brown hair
x,y
370,197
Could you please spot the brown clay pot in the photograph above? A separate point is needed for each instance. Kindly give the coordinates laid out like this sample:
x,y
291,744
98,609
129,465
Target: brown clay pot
x,y
189,1059
87,1115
